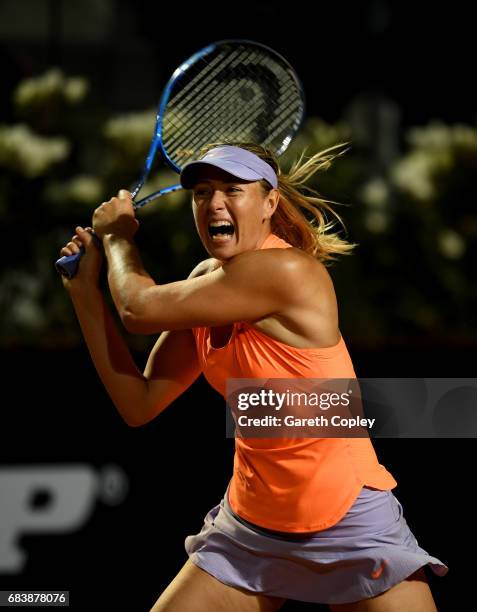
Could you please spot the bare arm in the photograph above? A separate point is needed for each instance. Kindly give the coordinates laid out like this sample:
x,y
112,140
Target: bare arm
x,y
251,286
172,365
123,381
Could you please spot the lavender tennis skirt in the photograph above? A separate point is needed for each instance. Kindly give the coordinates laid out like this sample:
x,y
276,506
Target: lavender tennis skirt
x,y
366,553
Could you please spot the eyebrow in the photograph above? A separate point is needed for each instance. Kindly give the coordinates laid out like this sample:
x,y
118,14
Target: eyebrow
x,y
208,181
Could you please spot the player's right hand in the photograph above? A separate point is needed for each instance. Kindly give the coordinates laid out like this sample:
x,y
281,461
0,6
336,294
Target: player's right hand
x,y
90,262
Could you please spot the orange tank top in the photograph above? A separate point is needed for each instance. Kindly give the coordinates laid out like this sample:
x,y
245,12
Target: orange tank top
x,y
293,485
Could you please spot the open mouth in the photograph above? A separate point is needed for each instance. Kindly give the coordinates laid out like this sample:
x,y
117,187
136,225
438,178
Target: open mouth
x,y
221,230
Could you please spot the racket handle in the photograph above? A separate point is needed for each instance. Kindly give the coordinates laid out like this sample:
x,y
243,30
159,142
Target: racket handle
x,y
68,264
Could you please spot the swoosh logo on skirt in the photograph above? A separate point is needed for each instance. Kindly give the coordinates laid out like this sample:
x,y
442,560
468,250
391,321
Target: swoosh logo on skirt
x,y
379,571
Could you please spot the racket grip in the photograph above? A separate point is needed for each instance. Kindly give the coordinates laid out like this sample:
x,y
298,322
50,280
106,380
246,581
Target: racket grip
x,y
68,264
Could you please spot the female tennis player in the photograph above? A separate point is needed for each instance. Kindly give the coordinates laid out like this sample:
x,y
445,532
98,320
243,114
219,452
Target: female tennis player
x,y
310,519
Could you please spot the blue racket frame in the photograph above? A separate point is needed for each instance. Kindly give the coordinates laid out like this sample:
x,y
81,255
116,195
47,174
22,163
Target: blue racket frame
x,y
68,265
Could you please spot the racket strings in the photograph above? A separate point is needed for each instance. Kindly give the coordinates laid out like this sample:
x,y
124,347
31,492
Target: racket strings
x,y
201,81
287,117
225,91
211,107
214,110
240,125
203,76
198,96
224,111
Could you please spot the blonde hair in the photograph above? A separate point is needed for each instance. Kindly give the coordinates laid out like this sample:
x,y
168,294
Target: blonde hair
x,y
298,202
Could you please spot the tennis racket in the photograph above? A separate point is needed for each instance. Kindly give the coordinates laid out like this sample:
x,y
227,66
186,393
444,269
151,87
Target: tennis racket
x,y
229,91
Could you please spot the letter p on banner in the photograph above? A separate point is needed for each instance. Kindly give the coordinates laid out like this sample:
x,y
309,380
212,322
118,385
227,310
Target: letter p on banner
x,y
71,491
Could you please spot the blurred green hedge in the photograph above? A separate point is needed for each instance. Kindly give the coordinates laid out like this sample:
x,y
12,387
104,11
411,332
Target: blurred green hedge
x,y
415,223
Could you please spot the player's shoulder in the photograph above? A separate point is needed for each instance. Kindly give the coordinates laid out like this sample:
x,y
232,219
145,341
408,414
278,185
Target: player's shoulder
x,y
205,267
282,261
290,270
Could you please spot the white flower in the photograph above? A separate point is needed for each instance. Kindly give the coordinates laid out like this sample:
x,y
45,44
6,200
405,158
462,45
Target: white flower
x,y
38,91
27,152
412,174
436,135
85,189
376,221
464,136
24,307
435,153
82,189
316,135
416,173
132,132
451,244
375,192
75,89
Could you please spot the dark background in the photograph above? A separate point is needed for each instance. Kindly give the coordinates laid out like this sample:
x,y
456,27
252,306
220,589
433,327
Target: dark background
x,y
55,410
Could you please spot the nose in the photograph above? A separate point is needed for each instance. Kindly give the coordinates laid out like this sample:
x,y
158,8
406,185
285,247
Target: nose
x,y
217,200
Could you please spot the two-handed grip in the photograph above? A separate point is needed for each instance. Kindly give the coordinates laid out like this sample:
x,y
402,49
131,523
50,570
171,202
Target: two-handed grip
x,y
68,264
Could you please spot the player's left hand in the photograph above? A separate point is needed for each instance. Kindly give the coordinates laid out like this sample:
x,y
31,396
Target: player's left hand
x,y
116,217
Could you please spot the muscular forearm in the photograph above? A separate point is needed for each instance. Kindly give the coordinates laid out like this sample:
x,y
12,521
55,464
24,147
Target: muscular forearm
x,y
126,274
125,384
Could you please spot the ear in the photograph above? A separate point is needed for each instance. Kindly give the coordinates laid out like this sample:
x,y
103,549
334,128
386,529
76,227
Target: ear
x,y
271,203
